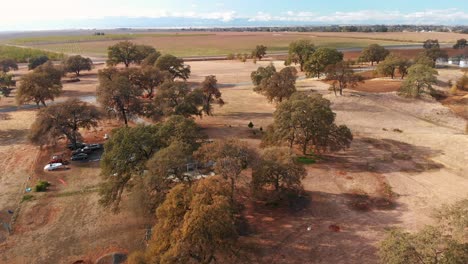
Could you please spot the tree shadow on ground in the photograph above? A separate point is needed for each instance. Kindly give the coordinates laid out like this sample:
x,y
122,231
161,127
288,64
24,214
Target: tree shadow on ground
x,y
384,156
11,136
327,231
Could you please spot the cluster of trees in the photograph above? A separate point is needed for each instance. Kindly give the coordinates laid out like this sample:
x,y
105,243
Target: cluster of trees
x,y
6,79
445,242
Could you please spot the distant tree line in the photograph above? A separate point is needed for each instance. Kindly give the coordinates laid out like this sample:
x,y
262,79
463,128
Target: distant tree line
x,y
347,28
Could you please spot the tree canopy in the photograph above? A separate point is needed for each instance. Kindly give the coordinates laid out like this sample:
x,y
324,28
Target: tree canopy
x,y
420,79
76,64
433,51
299,52
444,242
117,95
342,76
177,98
147,79
174,65
37,61
278,168
307,120
43,84
127,53
279,85
229,157
461,44
63,119
320,59
391,64
259,52
7,65
373,53
196,224
262,73
210,94
128,151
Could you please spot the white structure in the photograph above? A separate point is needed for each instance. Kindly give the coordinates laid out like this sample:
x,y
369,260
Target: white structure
x,y
464,64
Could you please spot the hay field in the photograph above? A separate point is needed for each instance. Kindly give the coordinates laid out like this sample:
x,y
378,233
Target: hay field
x,y
193,44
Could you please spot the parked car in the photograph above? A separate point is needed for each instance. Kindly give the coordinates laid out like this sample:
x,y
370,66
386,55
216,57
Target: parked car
x,y
53,166
79,156
81,150
78,145
93,147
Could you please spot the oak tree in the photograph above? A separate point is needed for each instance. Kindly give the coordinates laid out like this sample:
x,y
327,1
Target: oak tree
x,y
309,122
76,64
174,65
299,52
127,53
63,119
37,61
195,224
259,52
228,158
278,168
7,65
262,73
177,98
420,79
320,59
342,76
118,95
280,85
210,94
43,84
373,53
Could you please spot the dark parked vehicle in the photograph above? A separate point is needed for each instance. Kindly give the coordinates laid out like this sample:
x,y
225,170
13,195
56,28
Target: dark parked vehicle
x,y
93,147
78,146
79,156
81,150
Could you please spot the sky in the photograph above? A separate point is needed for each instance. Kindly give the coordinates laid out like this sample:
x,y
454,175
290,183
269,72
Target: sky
x,y
65,14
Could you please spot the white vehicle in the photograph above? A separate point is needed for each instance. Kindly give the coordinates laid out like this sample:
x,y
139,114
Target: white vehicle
x,y
53,166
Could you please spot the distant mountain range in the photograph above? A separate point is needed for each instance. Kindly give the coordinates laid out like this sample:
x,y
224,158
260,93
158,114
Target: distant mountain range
x,y
168,22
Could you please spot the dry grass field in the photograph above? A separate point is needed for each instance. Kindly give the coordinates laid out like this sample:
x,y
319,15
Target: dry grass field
x,y
67,224
222,43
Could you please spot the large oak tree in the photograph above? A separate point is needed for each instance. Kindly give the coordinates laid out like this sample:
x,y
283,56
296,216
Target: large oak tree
x,y
63,119
43,84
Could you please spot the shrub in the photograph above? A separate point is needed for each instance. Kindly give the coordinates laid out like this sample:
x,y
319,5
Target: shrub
x,y
250,125
42,186
27,197
305,160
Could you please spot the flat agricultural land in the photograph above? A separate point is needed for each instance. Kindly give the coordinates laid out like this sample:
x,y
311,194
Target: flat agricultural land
x,y
221,43
67,224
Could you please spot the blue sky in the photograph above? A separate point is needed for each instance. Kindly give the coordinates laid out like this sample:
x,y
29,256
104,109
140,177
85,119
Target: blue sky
x,y
59,14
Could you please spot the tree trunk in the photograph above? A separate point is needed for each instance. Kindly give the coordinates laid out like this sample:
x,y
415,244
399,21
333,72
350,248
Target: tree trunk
x,y
304,148
124,115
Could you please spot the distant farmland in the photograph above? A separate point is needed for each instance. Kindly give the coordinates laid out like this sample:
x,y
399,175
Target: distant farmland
x,y
222,43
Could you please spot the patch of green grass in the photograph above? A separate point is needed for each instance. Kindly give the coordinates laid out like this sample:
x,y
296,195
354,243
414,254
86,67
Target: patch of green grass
x,y
306,160
27,197
20,54
41,186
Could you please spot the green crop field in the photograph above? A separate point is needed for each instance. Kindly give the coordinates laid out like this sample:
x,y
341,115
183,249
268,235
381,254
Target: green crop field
x,y
20,54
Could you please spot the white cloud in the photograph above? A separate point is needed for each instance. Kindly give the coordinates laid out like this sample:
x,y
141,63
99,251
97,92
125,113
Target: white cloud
x,y
423,17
